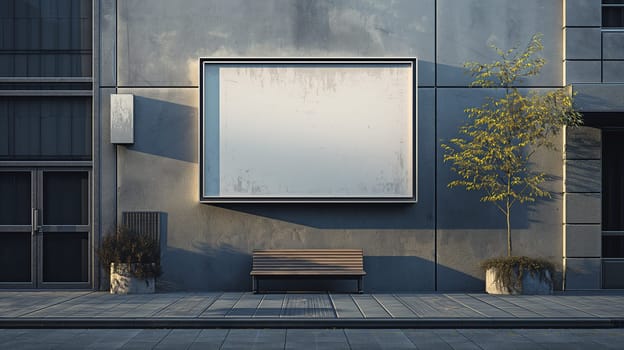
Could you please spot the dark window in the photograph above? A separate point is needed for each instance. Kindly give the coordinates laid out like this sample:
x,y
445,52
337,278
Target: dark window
x,y
15,257
613,274
45,128
613,246
65,257
65,198
613,13
45,45
45,38
613,193
15,201
613,180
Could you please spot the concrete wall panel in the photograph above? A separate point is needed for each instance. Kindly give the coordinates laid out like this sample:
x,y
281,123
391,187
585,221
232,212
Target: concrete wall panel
x,y
466,29
582,71
583,143
108,36
613,71
582,43
583,175
167,38
613,45
583,273
108,166
583,13
599,97
582,208
583,241
460,252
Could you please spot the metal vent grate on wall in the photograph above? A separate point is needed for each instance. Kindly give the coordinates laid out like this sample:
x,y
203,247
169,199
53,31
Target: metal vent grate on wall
x,y
143,222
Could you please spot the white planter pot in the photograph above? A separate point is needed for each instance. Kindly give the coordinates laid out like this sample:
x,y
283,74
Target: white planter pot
x,y
123,282
530,284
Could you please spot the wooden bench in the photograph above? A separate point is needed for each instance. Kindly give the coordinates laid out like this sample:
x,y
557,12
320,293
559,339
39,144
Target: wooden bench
x,y
307,264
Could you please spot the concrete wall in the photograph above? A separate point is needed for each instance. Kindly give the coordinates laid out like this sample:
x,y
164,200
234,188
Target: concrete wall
x,y
582,218
149,48
592,54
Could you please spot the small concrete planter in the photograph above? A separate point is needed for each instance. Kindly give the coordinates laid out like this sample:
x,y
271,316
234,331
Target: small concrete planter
x,y
530,284
122,281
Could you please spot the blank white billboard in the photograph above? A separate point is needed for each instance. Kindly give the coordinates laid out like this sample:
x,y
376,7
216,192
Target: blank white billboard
x,y
308,130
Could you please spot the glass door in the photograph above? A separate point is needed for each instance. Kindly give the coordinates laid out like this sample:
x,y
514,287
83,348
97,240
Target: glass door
x,y
613,208
63,229
17,228
45,228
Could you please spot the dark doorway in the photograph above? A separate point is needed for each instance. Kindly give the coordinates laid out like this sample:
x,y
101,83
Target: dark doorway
x,y
613,207
44,228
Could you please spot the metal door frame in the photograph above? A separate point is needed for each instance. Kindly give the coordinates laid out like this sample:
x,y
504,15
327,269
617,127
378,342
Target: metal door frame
x,y
38,229
25,228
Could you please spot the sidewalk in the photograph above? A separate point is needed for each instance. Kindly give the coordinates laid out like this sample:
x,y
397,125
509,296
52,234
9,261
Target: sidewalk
x,y
87,309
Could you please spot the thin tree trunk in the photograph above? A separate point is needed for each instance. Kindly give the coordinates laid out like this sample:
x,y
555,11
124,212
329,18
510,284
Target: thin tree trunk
x,y
508,215
508,231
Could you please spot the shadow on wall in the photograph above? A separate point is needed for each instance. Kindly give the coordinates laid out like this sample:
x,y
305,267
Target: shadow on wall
x,y
590,101
522,214
224,268
341,215
165,129
469,208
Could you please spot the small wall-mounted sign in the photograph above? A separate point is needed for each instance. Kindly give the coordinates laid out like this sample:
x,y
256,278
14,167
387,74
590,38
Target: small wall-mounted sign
x,y
122,118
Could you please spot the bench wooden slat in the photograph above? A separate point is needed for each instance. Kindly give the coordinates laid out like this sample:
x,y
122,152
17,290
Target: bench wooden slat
x,y
308,254
344,263
309,273
308,257
299,257
308,261
303,266
322,250
329,268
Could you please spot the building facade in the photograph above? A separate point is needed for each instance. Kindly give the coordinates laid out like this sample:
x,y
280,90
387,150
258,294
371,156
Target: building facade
x,y
63,184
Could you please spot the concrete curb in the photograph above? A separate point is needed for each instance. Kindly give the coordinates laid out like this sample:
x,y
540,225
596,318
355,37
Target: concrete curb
x,y
300,323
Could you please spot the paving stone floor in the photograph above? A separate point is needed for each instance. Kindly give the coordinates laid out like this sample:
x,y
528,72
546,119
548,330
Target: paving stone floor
x,y
94,305
303,339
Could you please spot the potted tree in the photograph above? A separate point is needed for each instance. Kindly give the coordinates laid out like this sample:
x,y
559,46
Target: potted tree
x,y
493,152
133,260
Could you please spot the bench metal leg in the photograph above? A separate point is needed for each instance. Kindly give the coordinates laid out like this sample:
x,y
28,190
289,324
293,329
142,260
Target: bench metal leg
x,y
254,284
360,285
